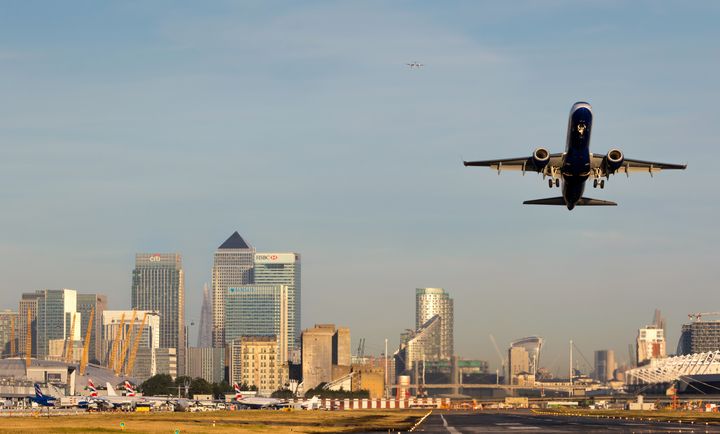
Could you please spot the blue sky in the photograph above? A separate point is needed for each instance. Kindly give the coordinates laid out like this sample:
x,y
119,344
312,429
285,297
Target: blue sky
x,y
165,126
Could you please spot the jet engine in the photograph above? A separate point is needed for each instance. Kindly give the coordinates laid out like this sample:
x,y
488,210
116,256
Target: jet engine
x,y
541,157
614,160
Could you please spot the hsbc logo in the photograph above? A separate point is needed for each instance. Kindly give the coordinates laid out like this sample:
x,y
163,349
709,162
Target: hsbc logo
x,y
267,257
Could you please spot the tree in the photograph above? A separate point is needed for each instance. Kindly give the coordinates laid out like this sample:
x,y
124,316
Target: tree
x,y
283,394
160,384
220,389
199,386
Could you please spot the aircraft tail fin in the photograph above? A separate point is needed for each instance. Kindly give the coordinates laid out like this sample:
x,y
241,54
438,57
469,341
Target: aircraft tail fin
x,y
110,389
584,201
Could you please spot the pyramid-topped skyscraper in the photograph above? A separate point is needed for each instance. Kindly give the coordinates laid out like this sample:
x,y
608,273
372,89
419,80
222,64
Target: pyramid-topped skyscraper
x,y
232,266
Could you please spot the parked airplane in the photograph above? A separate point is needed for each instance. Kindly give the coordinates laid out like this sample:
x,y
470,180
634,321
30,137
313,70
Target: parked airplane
x,y
577,164
257,403
42,399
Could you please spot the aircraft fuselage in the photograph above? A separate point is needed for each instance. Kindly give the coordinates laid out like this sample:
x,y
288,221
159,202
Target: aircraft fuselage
x,y
576,162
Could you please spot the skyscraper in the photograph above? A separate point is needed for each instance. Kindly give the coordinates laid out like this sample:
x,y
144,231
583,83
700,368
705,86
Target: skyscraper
x,y
258,310
96,303
283,269
8,336
232,267
436,301
28,303
604,365
158,284
205,328
55,312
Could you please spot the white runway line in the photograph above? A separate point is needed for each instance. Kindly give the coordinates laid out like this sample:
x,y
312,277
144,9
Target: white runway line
x,y
450,429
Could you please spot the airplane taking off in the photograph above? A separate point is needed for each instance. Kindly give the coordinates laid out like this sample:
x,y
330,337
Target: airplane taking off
x,y
576,165
415,65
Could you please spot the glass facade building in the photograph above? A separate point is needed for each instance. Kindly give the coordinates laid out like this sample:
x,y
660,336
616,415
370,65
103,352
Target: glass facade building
x,y
436,301
55,311
158,285
283,269
258,310
232,266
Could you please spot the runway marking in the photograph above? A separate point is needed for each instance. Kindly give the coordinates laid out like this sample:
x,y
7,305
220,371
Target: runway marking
x,y
450,429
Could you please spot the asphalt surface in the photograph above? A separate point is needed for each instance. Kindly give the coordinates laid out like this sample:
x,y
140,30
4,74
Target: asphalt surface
x,y
526,421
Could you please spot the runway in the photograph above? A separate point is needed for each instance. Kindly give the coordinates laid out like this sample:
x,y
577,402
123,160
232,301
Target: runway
x,y
526,421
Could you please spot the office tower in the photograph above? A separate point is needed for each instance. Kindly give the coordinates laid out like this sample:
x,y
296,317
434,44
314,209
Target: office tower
x,y
283,269
604,365
158,285
232,267
650,344
323,346
87,303
258,310
205,327
28,303
699,336
8,333
120,330
256,361
207,363
57,322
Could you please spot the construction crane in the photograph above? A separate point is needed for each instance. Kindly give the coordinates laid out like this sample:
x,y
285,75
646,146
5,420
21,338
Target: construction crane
x,y
697,316
125,341
361,348
113,349
28,339
12,336
135,344
86,344
70,340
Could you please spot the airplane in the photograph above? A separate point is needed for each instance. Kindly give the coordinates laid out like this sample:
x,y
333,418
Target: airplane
x,y
576,165
415,65
257,403
42,399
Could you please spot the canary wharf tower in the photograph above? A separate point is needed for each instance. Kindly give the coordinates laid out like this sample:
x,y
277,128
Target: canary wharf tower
x,y
232,267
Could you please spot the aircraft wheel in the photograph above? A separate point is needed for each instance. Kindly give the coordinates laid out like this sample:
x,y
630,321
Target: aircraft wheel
x,y
602,184
557,182
595,183
550,183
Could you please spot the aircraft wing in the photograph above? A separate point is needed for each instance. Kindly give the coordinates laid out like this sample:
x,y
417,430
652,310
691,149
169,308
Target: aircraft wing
x,y
629,166
524,164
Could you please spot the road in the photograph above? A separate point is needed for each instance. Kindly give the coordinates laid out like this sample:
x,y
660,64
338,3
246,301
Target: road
x,y
526,421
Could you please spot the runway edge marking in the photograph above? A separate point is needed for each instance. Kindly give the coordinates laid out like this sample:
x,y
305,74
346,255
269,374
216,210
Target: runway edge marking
x,y
422,419
451,429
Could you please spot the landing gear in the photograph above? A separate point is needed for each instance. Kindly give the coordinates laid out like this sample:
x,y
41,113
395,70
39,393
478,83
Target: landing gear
x,y
595,183
557,182
550,183
602,184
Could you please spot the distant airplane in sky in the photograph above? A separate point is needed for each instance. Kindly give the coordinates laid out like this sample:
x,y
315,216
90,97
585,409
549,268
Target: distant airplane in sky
x,y
415,65
576,165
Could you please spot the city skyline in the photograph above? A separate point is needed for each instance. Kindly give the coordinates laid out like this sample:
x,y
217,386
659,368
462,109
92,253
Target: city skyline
x,y
305,132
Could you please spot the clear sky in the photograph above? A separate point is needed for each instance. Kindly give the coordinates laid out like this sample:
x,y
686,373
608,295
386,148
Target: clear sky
x,y
165,126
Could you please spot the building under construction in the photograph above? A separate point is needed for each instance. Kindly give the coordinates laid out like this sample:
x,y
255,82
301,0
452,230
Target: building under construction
x,y
699,336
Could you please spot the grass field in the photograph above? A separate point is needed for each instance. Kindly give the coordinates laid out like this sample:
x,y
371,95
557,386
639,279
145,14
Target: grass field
x,y
255,421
